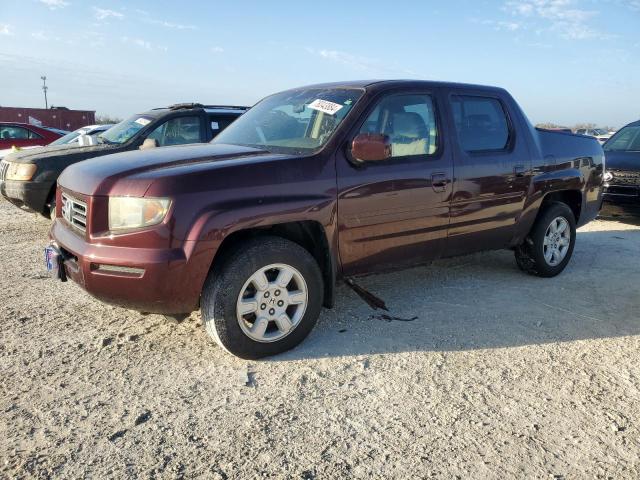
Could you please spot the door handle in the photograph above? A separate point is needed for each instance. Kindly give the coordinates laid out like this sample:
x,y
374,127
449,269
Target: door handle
x,y
439,182
519,170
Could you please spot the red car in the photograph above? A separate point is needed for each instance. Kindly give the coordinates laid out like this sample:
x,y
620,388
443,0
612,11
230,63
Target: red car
x,y
14,134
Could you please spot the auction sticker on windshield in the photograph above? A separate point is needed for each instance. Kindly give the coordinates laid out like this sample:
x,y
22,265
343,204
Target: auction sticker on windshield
x,y
325,106
143,121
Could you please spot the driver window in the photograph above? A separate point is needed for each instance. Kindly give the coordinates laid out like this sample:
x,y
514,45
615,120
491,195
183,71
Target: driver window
x,y
177,131
409,122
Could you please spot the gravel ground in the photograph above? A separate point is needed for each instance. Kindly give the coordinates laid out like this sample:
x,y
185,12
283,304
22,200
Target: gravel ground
x,y
501,375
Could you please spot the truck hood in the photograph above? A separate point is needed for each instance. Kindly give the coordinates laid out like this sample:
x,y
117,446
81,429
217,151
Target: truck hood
x,y
131,173
34,155
622,160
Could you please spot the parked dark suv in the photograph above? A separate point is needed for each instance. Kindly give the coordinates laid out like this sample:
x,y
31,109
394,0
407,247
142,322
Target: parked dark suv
x,y
316,184
622,187
28,178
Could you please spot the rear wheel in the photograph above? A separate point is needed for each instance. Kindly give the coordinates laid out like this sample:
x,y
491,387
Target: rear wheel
x,y
548,248
264,299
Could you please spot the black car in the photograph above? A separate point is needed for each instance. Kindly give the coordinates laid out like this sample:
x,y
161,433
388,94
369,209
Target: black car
x,y
28,178
622,180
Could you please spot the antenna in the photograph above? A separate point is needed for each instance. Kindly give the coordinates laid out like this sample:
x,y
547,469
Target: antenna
x,y
44,89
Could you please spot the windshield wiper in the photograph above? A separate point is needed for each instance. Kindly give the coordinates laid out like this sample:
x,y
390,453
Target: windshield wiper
x,y
253,145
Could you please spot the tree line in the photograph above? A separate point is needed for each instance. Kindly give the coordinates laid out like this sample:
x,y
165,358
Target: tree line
x,y
577,126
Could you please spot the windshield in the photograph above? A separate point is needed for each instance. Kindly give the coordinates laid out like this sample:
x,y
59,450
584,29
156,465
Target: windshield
x,y
297,122
125,130
68,138
626,140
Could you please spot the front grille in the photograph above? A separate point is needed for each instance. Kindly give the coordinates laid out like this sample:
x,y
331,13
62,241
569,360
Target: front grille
x,y
622,177
622,190
74,212
4,166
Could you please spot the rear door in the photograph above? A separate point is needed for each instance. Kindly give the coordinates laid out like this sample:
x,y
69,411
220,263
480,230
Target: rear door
x,y
179,130
395,213
492,169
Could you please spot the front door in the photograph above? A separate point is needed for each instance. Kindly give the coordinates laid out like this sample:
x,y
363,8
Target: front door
x,y
395,212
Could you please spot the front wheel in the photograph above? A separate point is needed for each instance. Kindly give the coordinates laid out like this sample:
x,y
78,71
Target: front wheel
x,y
264,299
549,246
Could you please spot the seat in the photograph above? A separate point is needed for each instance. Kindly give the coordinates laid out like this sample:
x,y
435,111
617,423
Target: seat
x,y
174,140
409,135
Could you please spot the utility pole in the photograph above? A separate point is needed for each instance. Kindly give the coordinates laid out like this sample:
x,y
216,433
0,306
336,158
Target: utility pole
x,y
44,89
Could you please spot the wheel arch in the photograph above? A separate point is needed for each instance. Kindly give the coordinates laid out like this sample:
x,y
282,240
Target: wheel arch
x,y
539,199
309,234
571,198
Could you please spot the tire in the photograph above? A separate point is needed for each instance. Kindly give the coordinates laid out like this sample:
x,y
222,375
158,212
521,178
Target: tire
x,y
533,256
237,285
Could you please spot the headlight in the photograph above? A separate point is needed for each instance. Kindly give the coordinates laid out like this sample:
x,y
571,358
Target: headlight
x,y
127,213
21,171
608,176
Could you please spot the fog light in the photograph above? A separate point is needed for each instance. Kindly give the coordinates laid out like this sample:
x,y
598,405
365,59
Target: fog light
x,y
117,269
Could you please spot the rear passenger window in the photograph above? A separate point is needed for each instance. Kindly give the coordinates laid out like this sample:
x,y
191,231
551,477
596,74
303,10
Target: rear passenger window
x,y
481,123
409,121
219,123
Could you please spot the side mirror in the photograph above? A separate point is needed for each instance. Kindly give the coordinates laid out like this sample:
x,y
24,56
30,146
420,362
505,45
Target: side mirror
x,y
371,147
149,143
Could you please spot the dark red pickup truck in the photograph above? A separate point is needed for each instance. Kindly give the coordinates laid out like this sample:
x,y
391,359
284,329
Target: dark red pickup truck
x,y
317,184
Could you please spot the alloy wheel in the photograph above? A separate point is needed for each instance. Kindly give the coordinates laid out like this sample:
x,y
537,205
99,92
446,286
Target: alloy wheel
x,y
271,303
557,240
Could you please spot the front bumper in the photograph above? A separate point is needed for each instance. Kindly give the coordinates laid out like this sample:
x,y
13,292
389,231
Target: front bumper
x,y
31,196
621,199
147,280
622,194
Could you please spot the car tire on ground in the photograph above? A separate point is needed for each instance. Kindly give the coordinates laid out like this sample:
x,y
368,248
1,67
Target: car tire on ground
x,y
548,248
263,299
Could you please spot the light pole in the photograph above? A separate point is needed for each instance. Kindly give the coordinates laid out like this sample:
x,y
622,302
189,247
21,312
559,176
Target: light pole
x,y
44,89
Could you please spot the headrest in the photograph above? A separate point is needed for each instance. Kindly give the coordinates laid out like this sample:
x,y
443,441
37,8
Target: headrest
x,y
409,124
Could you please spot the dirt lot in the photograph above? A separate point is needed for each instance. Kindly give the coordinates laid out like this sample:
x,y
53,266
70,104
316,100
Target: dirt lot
x,y
501,375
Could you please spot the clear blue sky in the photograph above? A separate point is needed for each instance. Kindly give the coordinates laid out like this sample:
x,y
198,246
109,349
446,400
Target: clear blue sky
x,y
565,61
